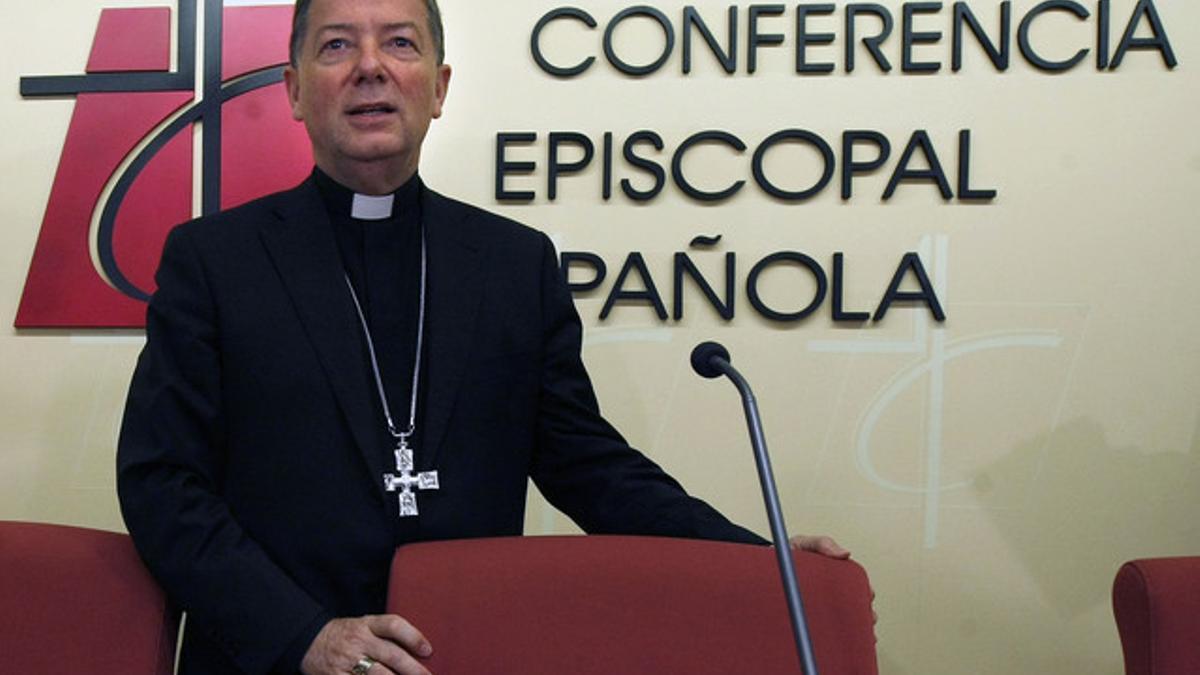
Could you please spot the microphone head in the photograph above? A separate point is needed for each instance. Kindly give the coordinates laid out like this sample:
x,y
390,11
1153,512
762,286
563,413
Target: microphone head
x,y
702,357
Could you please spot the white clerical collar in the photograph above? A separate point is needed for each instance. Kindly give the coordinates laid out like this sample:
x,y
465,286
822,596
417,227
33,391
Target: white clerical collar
x,y
366,207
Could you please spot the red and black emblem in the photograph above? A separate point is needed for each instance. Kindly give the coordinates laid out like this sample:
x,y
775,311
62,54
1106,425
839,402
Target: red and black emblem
x,y
126,173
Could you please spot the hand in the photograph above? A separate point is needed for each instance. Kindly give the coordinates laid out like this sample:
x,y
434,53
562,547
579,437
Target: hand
x,y
387,639
826,546
822,544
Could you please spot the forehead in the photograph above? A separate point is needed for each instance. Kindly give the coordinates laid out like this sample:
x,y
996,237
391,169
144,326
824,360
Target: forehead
x,y
323,13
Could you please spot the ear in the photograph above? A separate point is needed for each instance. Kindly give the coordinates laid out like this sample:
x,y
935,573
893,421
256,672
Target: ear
x,y
291,80
441,86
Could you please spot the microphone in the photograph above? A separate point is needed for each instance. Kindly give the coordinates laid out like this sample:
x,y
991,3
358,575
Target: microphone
x,y
702,359
710,360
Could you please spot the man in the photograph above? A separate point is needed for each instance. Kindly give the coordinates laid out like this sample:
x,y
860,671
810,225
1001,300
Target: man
x,y
354,364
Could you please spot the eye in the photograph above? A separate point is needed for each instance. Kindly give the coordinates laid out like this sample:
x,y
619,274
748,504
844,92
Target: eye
x,y
401,42
336,44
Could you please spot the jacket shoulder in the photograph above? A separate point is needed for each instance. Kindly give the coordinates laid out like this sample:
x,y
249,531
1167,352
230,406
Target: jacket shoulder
x,y
244,219
479,226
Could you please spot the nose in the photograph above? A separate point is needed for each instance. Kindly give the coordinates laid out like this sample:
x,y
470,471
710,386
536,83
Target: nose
x,y
370,65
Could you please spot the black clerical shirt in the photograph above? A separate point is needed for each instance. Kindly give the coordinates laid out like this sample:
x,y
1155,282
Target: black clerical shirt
x,y
382,259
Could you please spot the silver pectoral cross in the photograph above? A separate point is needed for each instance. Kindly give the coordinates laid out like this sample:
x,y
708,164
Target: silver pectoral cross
x,y
405,480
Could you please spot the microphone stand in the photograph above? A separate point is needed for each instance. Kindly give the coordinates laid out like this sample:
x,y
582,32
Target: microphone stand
x,y
774,513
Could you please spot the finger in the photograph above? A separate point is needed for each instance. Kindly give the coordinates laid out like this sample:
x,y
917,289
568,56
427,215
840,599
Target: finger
x,y
392,659
831,548
400,631
823,545
377,668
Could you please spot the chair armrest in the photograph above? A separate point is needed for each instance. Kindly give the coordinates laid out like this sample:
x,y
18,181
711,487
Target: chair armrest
x,y
596,605
1156,603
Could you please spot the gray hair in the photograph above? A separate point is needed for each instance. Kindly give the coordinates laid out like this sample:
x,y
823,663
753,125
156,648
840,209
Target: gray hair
x,y
300,30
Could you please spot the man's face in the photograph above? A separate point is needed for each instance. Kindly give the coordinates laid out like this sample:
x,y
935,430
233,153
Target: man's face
x,y
366,85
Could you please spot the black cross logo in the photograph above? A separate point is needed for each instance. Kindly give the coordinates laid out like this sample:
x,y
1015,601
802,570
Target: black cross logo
x,y
207,111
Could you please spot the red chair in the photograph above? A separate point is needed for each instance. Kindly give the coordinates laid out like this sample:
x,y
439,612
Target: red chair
x,y
79,601
607,604
1157,606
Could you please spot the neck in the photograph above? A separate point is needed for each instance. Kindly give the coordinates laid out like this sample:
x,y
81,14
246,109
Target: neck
x,y
369,178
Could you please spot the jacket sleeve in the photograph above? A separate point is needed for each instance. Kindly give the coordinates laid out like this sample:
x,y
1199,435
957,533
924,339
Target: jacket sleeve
x,y
582,464
170,467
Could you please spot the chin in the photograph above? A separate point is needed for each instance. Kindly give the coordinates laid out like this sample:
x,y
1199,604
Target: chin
x,y
375,152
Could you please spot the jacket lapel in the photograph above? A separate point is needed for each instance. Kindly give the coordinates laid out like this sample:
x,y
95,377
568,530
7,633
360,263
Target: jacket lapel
x,y
456,288
303,248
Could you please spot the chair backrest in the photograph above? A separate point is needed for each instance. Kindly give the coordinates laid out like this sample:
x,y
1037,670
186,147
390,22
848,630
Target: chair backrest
x,y
613,604
1157,606
79,600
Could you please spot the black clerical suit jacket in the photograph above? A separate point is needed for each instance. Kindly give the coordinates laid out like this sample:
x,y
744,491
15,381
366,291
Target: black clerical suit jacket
x,y
252,451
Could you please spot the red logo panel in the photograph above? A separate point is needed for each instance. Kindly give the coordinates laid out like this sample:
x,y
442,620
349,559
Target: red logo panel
x,y
125,177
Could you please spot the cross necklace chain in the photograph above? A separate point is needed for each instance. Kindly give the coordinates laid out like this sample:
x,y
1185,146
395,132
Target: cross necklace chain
x,y
405,478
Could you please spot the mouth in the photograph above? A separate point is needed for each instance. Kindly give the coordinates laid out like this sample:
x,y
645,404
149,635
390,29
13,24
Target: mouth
x,y
371,110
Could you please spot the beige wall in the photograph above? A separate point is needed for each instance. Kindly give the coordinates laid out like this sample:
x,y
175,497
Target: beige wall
x,y
990,472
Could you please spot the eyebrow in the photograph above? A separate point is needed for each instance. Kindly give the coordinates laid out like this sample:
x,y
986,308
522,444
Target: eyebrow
x,y
349,27
335,26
